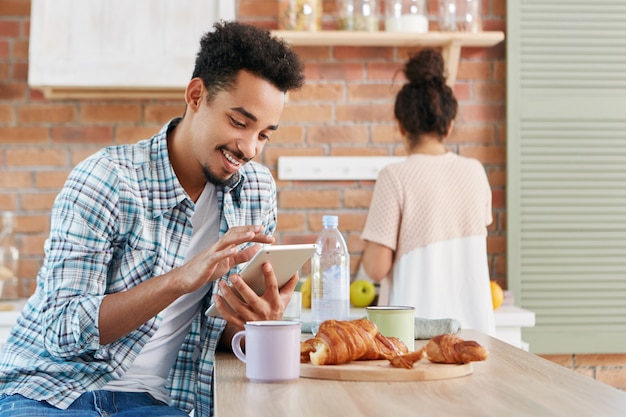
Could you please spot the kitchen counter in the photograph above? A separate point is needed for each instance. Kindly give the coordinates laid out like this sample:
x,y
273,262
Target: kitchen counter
x,y
511,382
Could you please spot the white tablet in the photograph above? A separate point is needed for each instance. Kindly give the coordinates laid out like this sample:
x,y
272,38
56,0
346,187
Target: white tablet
x,y
285,259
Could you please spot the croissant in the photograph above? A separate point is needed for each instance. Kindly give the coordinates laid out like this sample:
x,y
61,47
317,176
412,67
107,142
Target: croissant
x,y
338,342
444,348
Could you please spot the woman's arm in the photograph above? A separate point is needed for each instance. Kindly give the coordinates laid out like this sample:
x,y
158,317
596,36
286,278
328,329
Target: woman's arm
x,y
377,260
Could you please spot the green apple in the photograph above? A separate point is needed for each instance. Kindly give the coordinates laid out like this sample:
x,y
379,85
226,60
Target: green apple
x,y
362,293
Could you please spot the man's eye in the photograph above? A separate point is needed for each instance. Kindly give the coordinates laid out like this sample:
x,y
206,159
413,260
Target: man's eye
x,y
265,136
237,123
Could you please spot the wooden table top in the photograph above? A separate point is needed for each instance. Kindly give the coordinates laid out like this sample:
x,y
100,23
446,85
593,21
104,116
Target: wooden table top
x,y
511,382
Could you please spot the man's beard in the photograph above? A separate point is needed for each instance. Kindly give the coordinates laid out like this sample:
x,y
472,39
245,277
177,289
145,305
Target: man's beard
x,y
214,179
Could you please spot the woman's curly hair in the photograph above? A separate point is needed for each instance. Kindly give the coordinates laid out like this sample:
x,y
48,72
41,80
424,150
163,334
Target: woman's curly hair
x,y
425,104
233,46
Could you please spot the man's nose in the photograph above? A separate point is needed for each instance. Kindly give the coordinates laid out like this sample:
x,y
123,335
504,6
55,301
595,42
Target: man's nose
x,y
249,147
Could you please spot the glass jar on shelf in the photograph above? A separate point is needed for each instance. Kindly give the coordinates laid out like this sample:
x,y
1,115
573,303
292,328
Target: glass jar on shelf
x,y
406,16
345,14
303,15
460,16
367,15
9,259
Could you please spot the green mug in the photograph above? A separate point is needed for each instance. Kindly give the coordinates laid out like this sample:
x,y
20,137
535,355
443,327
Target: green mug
x,y
394,321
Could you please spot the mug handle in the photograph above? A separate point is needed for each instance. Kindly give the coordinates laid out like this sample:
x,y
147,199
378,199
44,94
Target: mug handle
x,y
236,345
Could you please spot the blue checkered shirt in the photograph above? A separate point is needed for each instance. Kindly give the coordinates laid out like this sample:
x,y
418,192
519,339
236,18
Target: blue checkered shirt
x,y
121,218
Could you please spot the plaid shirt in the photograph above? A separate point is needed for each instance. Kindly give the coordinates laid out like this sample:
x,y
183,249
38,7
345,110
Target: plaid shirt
x,y
121,218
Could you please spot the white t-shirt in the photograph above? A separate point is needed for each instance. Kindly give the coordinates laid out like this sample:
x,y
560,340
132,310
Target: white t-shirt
x,y
150,370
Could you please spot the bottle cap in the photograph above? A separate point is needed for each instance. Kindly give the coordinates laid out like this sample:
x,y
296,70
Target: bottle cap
x,y
330,221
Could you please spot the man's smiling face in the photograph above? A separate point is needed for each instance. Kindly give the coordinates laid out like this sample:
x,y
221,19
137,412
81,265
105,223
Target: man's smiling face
x,y
232,128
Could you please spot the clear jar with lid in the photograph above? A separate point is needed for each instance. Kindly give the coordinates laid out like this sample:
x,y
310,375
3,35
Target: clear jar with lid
x,y
345,14
303,15
406,16
460,15
9,259
367,16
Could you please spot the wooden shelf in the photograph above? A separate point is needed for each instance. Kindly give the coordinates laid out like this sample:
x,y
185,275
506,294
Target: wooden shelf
x,y
450,42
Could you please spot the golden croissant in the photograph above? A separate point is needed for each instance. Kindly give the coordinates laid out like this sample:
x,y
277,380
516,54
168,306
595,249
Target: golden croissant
x,y
338,342
444,348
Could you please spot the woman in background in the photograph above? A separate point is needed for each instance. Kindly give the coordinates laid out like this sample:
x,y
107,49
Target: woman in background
x,y
425,234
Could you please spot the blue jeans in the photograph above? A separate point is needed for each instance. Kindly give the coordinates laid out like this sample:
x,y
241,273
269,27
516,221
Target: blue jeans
x,y
91,404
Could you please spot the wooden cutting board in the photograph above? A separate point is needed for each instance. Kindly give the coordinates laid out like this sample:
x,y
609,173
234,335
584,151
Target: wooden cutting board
x,y
383,371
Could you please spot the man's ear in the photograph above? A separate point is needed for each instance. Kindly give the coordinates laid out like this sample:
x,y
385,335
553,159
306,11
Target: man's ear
x,y
194,93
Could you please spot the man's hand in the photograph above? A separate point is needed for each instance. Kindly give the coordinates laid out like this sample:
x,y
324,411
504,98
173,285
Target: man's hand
x,y
250,307
125,311
221,257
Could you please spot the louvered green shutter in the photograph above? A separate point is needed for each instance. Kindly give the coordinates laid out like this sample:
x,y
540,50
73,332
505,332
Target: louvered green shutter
x,y
566,170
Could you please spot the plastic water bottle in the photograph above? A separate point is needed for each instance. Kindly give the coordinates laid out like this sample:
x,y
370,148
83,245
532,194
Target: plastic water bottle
x,y
330,271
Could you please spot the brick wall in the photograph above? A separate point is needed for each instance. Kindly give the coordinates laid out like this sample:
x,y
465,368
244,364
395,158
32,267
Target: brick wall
x,y
344,109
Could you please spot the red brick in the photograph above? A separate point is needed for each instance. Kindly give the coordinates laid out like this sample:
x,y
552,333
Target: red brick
x,y
498,199
15,8
258,8
6,114
20,71
318,92
96,113
22,135
337,134
133,134
37,157
365,150
4,72
291,222
334,71
496,244
313,53
79,154
364,113
471,134
271,155
307,113
370,92
287,135
12,91
384,134
385,71
46,113
363,53
474,71
489,92
82,134
9,28
485,154
483,113
309,199
50,179
15,180
5,49
33,244
360,198
8,201
37,201
162,113
20,49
